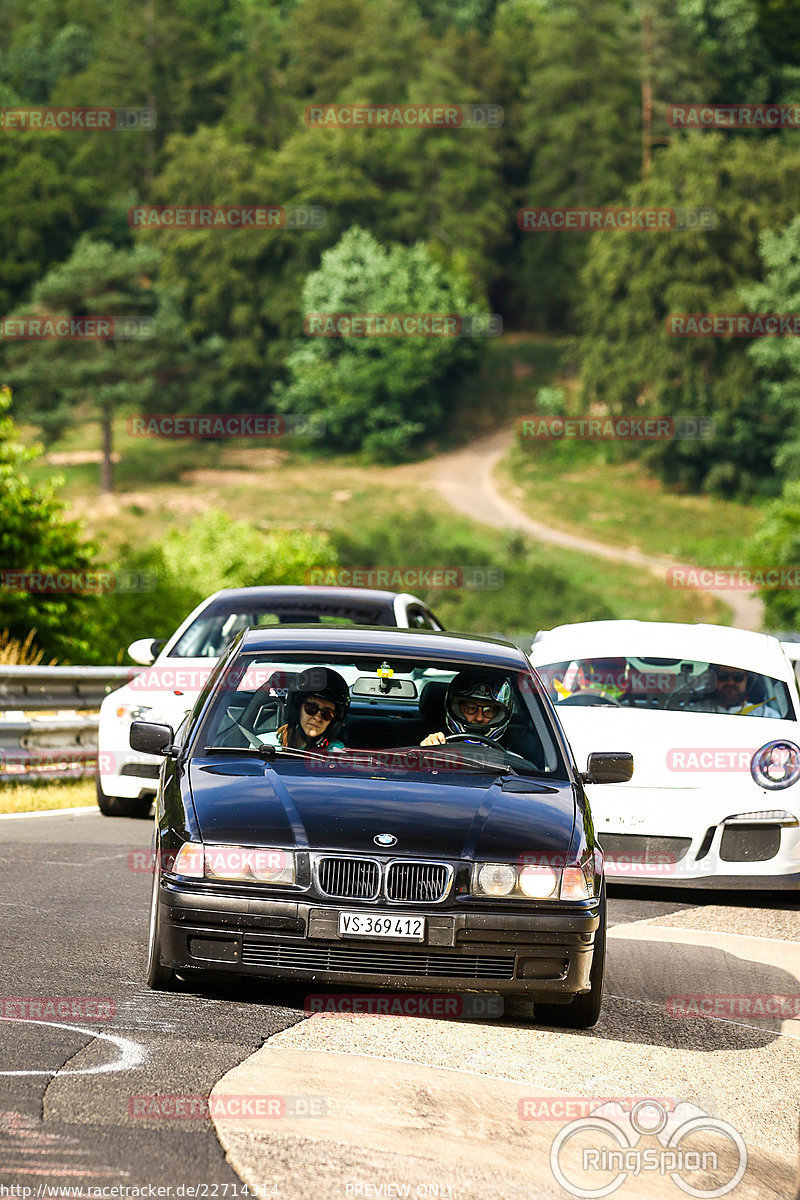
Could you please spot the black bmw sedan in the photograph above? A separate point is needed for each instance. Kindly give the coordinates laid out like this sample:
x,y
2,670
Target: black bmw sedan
x,y
375,807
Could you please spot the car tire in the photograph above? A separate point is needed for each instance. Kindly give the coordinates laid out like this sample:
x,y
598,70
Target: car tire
x,y
159,977
584,1010
122,806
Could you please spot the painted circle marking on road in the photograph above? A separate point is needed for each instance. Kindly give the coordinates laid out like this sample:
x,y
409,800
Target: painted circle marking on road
x,y
131,1053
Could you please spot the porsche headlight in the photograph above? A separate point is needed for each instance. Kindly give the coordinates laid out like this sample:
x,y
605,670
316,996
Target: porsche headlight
x,y
235,864
776,765
133,712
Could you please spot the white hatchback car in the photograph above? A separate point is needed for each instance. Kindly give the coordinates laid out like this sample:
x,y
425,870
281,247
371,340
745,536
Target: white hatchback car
x,y
712,717
177,670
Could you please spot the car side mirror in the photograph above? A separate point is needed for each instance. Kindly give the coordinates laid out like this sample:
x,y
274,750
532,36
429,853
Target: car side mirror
x,y
611,766
149,738
144,650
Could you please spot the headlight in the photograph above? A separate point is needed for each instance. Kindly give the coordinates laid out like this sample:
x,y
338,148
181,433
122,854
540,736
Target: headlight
x,y
497,879
776,765
133,712
538,881
239,864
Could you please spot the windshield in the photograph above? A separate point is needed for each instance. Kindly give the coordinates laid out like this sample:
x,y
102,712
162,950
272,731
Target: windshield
x,y
351,710
213,631
670,684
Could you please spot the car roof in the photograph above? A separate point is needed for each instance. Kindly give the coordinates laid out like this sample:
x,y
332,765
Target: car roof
x,y
322,592
663,639
372,639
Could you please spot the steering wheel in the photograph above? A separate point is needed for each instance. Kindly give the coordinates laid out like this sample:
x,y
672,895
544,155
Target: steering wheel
x,y
471,737
587,698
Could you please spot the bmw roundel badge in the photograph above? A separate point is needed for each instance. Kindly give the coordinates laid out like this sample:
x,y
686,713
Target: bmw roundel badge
x,y
385,839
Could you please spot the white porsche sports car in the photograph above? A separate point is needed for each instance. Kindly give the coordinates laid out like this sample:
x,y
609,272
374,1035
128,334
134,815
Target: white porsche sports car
x,y
179,668
712,718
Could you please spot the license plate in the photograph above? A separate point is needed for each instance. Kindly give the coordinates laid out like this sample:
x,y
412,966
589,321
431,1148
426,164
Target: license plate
x,y
390,925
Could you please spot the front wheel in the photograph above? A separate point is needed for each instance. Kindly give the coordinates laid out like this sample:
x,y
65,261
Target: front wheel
x,y
159,977
122,806
584,1010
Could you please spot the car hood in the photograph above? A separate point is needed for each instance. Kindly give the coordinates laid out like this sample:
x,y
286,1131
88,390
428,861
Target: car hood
x,y
468,815
674,749
169,687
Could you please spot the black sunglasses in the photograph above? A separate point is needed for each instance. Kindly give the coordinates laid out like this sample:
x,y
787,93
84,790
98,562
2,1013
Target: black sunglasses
x,y
311,710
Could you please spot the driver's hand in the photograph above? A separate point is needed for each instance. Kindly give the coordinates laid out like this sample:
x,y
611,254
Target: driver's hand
x,y
433,739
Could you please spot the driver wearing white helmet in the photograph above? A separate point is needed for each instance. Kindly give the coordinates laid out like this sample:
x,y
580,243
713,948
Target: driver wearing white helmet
x,y
477,707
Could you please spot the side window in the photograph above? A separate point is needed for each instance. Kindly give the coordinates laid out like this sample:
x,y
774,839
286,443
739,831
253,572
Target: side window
x,y
420,618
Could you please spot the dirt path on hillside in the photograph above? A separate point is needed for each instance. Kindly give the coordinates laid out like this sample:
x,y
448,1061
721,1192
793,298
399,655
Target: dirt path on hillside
x,y
465,478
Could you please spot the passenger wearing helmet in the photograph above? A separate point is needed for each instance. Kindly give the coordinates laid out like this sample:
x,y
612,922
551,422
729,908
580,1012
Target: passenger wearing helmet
x,y
475,704
317,703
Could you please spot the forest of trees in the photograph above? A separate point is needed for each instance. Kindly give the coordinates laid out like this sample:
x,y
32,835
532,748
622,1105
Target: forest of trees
x,y
413,216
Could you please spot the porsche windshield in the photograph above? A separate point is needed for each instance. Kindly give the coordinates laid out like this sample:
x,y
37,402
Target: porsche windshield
x,y
670,684
343,707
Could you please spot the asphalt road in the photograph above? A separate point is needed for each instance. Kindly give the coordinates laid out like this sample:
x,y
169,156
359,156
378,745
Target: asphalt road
x,y
74,924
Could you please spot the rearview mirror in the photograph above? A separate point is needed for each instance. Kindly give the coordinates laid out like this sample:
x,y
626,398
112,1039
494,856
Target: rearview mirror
x,y
149,738
398,689
608,766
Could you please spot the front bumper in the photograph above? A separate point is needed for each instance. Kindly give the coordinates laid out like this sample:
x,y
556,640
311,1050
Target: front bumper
x,y
760,858
544,955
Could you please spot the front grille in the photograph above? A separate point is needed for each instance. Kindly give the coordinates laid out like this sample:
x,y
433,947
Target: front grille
x,y
349,878
371,960
633,848
750,843
418,882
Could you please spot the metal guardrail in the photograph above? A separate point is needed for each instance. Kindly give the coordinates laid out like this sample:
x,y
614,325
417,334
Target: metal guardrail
x,y
74,688
32,748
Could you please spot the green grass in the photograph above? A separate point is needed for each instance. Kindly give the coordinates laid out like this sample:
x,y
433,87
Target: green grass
x,y
570,485
39,797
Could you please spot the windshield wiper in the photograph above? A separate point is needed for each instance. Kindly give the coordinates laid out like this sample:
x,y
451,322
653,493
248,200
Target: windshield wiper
x,y
268,752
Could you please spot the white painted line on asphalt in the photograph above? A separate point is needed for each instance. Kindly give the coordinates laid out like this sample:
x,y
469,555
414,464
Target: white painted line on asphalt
x,y
637,930
131,1053
51,812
